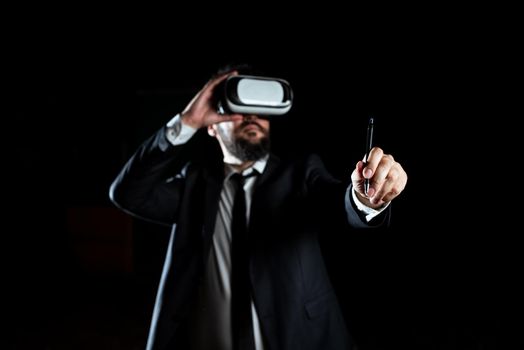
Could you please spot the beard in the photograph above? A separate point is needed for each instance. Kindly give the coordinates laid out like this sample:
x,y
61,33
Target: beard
x,y
242,148
248,151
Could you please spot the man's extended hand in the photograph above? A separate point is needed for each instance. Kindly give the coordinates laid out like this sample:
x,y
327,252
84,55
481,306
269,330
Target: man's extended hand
x,y
387,178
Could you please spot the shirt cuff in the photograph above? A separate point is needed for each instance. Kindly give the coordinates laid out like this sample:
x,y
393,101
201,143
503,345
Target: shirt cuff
x,y
178,133
370,213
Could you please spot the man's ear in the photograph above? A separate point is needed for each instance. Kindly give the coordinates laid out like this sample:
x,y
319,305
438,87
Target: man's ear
x,y
211,130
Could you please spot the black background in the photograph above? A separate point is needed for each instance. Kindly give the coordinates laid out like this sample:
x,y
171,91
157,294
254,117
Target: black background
x,y
83,93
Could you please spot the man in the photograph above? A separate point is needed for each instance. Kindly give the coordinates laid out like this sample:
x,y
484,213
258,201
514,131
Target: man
x,y
288,206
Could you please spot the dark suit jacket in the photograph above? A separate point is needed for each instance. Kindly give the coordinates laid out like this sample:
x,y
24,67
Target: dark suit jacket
x,y
292,205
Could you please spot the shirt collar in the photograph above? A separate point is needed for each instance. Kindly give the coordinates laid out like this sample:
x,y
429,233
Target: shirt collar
x,y
259,166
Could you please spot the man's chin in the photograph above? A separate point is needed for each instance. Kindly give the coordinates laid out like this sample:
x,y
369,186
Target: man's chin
x,y
252,148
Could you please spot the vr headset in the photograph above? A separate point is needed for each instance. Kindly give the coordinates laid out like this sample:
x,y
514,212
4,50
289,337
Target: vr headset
x,y
248,94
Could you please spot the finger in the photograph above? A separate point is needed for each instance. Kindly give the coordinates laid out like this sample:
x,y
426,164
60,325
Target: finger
x,y
229,118
208,90
215,81
357,174
394,183
383,187
375,155
379,177
382,171
397,186
357,179
394,192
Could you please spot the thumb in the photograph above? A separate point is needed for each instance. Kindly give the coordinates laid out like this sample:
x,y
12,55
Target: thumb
x,y
357,179
357,175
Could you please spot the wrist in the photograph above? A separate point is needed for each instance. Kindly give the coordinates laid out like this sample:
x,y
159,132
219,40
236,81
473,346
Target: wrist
x,y
187,119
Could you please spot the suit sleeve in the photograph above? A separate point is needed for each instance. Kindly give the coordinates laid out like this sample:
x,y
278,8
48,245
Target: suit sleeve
x,y
151,183
356,218
331,199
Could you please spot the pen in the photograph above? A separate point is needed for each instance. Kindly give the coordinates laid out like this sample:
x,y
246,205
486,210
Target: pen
x,y
369,143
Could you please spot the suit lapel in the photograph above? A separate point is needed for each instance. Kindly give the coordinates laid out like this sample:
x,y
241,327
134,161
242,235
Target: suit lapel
x,y
271,166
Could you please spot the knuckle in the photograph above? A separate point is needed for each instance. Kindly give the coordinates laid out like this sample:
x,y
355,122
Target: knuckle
x,y
389,157
393,174
375,151
395,190
388,160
